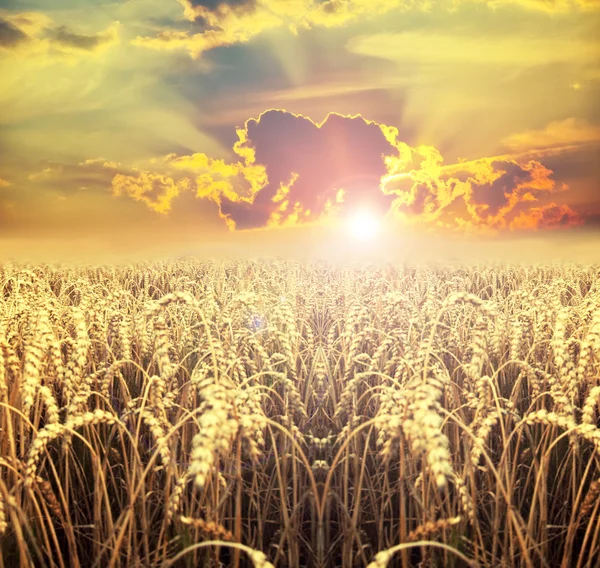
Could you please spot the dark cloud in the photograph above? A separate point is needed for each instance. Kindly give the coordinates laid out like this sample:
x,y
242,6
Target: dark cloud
x,y
592,220
216,4
221,6
64,36
206,14
308,164
10,35
579,164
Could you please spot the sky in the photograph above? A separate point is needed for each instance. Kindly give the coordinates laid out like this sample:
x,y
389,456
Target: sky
x,y
178,126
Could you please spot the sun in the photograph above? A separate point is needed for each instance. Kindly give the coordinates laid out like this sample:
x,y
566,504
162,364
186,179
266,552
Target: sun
x,y
363,225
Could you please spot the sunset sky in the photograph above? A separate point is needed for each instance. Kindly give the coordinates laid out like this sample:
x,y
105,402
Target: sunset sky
x,y
173,125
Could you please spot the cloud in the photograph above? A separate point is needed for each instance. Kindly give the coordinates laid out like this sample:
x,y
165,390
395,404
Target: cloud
x,y
34,33
10,35
495,193
4,183
155,190
550,216
217,179
308,163
67,176
558,134
101,162
228,22
47,173
489,189
237,21
30,24
292,170
195,8
549,6
67,39
441,49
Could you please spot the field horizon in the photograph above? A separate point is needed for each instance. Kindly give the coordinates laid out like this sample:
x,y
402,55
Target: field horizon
x,y
307,245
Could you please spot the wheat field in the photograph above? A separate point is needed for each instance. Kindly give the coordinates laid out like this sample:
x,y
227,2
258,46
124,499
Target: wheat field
x,y
285,414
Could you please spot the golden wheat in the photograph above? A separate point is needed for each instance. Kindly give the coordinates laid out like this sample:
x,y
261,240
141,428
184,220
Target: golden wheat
x,y
272,413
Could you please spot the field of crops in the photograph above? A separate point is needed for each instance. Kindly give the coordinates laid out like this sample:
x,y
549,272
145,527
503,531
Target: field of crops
x,y
301,415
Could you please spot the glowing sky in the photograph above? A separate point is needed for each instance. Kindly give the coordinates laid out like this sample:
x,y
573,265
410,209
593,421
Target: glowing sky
x,y
201,120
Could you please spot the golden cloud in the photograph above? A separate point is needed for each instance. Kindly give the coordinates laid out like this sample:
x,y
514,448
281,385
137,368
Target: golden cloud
x,y
446,48
157,191
231,22
294,171
228,22
111,165
549,6
558,134
217,179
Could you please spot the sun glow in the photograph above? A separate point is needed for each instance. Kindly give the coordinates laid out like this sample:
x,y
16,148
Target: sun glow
x,y
363,225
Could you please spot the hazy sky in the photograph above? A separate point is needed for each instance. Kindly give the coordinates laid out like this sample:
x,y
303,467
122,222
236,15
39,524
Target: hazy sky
x,y
198,122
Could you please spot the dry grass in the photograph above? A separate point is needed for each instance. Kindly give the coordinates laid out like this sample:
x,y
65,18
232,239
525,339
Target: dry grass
x,y
278,414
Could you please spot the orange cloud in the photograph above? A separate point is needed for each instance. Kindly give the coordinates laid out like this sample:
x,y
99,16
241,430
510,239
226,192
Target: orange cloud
x,y
497,186
155,190
490,189
550,216
4,183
